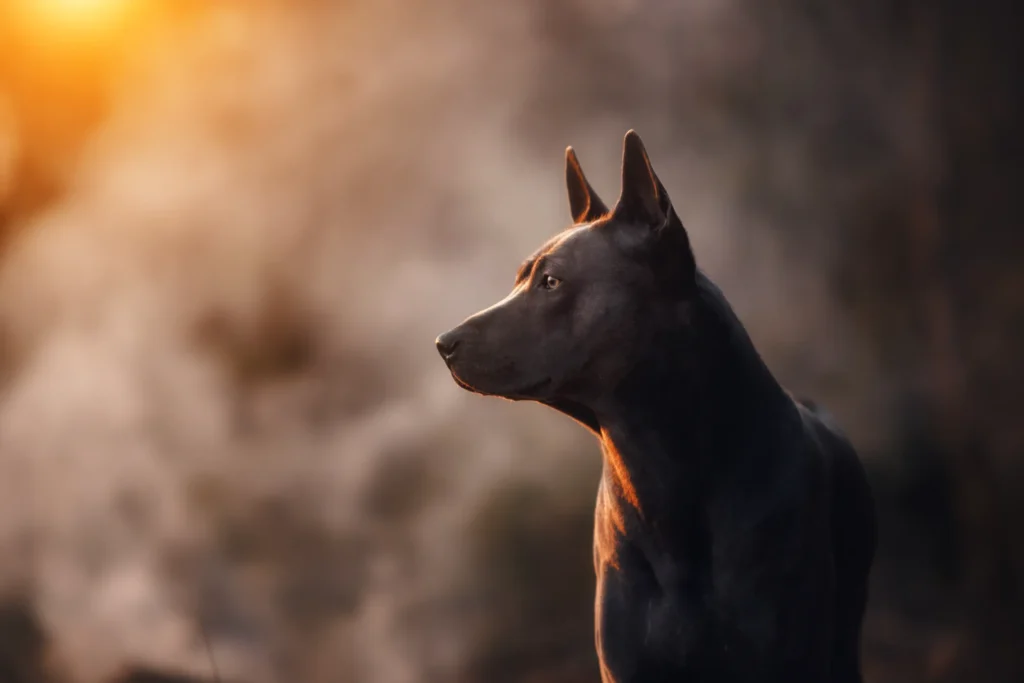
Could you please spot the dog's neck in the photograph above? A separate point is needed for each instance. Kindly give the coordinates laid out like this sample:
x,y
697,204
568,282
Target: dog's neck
x,y
671,426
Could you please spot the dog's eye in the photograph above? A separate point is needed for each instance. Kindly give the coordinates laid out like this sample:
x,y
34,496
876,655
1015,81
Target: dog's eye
x,y
551,282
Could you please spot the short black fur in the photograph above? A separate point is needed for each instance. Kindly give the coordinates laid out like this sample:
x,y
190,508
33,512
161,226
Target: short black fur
x,y
734,529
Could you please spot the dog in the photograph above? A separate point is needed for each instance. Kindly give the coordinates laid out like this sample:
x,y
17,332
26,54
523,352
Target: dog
x,y
735,528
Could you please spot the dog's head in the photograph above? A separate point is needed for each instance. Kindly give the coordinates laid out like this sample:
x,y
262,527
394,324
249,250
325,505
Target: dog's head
x,y
585,304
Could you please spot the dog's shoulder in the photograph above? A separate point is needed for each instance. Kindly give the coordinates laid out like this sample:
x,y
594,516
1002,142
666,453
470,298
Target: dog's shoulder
x,y
819,422
846,471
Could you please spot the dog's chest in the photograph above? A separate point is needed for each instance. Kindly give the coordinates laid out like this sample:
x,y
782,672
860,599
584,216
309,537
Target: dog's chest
x,y
649,590
658,610
642,632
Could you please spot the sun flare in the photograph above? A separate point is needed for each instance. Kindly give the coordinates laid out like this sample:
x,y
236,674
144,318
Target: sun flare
x,y
69,17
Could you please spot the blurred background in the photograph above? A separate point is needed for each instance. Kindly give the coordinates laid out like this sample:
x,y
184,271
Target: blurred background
x,y
230,231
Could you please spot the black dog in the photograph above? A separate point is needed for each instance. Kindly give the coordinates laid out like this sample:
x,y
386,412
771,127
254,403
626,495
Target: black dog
x,y
735,528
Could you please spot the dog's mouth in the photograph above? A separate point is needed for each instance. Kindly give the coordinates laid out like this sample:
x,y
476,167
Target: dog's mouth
x,y
464,385
530,390
525,392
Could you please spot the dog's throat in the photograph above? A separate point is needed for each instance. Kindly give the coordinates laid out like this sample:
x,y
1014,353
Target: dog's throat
x,y
621,480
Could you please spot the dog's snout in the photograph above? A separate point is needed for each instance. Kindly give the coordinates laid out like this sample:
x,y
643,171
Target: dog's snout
x,y
446,344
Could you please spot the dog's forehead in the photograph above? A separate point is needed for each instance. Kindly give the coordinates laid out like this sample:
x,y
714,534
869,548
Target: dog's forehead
x,y
579,247
572,244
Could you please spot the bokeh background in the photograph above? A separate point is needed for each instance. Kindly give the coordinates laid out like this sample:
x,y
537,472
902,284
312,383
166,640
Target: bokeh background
x,y
230,231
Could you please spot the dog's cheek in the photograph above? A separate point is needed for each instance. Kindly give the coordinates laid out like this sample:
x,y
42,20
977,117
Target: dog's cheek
x,y
602,314
586,315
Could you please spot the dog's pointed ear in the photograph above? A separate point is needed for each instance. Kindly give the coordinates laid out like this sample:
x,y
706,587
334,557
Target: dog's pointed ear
x,y
644,200
640,198
584,203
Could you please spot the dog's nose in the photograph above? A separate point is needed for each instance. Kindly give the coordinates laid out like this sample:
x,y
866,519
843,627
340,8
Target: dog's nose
x,y
446,345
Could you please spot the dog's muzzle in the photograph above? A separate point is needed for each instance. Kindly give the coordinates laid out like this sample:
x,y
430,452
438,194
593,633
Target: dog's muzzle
x,y
447,344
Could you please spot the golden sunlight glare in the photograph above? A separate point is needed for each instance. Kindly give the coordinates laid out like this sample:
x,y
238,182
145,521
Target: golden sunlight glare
x,y
76,16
